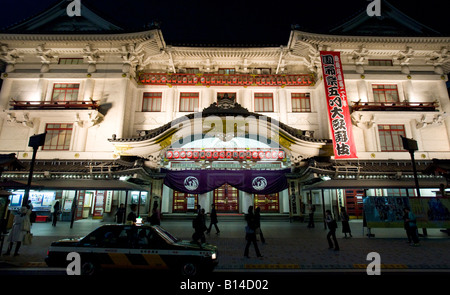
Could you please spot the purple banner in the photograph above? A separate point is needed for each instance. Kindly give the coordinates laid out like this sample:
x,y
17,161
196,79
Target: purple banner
x,y
262,182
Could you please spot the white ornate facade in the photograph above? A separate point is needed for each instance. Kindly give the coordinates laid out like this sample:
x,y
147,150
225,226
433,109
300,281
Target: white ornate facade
x,y
112,71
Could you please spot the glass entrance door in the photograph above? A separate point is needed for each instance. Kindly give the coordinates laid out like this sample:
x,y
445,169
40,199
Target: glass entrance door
x,y
267,203
354,200
183,202
226,199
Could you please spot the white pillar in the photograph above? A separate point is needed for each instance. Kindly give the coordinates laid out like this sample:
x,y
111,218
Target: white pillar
x,y
362,90
283,105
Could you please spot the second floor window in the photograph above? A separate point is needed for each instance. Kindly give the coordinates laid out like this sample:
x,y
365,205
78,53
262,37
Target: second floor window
x,y
385,93
263,102
151,102
227,71
380,62
70,61
189,101
65,92
390,140
58,137
300,102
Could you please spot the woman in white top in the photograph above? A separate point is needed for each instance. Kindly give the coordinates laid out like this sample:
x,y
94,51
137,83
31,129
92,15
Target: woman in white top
x,y
21,226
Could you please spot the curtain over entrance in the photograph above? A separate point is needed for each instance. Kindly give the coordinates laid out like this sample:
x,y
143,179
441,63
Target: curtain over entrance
x,y
263,182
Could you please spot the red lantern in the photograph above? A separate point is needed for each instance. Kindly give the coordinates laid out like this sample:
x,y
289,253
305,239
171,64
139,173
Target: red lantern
x,y
182,154
208,155
261,155
176,154
274,154
281,155
268,155
169,155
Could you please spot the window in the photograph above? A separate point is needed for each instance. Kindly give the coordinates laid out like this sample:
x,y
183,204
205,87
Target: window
x,y
300,102
227,71
380,62
263,102
385,93
390,140
70,61
152,102
400,192
58,137
188,101
65,92
261,71
192,71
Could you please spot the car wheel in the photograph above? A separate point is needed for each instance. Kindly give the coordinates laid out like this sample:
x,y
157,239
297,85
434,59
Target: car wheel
x,y
88,268
189,269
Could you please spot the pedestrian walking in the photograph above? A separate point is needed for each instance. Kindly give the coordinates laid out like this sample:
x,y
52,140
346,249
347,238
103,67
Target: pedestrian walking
x,y
214,220
258,225
345,223
199,226
155,218
21,225
55,213
250,233
120,214
411,219
131,218
406,225
311,210
332,226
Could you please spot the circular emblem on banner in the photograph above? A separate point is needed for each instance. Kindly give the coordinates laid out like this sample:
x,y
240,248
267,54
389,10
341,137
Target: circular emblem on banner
x,y
191,183
259,183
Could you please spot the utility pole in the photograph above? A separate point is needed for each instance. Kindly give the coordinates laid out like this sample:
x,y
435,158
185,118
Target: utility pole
x,y
35,142
411,146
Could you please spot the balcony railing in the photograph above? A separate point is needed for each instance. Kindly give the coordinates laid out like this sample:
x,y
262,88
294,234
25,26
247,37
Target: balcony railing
x,y
395,106
50,105
225,79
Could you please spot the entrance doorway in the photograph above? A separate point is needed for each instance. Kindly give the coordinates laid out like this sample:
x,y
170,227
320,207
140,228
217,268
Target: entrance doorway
x,y
354,201
268,203
183,202
226,199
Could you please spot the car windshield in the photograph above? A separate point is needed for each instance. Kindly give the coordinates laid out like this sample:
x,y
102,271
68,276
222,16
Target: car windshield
x,y
165,234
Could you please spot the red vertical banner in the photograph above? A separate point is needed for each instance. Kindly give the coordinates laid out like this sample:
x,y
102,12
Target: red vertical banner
x,y
337,105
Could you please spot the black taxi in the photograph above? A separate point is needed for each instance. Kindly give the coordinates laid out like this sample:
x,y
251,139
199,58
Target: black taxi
x,y
134,247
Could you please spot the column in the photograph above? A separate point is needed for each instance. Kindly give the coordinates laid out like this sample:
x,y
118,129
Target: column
x,y
89,90
408,90
362,90
283,105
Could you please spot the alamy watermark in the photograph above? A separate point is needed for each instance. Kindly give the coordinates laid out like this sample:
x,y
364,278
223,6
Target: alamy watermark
x,y
74,8
74,267
374,8
374,267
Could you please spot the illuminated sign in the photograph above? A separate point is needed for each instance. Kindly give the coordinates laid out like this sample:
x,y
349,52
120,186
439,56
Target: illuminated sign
x,y
199,154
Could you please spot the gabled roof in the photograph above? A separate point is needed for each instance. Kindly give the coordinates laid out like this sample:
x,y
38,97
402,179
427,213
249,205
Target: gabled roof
x,y
56,21
392,22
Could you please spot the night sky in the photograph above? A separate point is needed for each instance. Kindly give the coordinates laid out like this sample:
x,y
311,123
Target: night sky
x,y
259,22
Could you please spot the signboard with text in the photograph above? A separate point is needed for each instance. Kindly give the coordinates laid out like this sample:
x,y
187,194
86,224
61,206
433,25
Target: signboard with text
x,y
337,105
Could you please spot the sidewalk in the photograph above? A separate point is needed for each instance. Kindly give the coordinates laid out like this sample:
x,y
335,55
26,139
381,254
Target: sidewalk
x,y
289,247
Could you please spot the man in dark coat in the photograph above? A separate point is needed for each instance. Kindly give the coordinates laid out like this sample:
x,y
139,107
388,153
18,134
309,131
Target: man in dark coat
x,y
214,220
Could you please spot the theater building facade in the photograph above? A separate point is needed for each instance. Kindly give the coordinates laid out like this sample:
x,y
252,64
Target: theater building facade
x,y
237,126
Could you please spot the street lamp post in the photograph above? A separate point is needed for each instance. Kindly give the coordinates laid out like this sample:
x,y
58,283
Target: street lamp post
x,y
411,146
35,142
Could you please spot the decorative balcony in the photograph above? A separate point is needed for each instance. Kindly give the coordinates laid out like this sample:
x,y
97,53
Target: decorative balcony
x,y
225,79
395,106
54,105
